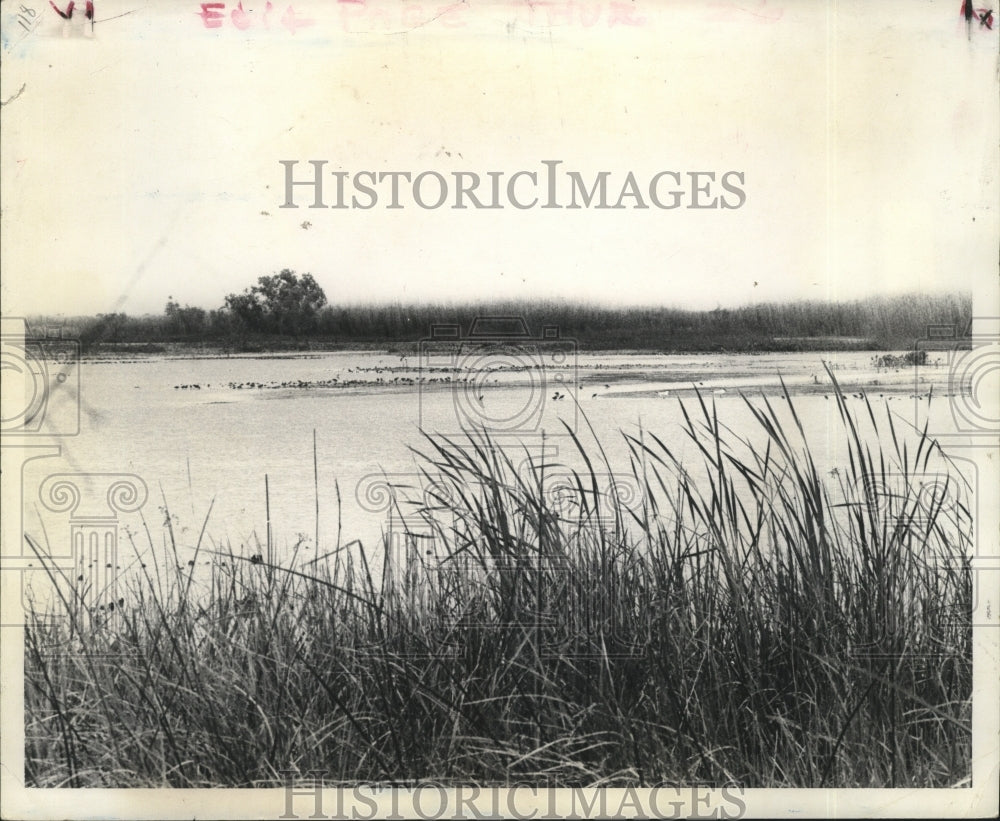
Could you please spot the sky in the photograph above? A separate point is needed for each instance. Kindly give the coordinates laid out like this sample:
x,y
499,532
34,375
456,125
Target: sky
x,y
143,161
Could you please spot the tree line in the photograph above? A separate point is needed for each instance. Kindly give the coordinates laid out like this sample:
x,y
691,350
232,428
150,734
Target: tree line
x,y
286,310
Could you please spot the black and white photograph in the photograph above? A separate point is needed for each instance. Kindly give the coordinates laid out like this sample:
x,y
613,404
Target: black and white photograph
x,y
500,409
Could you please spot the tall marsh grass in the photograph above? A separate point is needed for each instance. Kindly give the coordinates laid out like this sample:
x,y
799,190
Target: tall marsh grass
x,y
745,619
882,323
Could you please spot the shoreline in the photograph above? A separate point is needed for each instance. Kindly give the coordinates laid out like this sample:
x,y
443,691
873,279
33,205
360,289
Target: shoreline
x,y
688,347
588,376
140,352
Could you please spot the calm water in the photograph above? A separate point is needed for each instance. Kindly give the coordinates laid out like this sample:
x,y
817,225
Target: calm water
x,y
251,417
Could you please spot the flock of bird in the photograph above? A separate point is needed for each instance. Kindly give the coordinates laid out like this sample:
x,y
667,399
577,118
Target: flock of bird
x,y
384,376
336,382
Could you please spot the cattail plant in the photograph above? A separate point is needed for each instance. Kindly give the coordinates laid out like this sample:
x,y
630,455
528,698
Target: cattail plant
x,y
736,616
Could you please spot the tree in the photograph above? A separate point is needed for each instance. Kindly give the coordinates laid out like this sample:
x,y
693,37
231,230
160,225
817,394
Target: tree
x,y
105,328
280,303
186,321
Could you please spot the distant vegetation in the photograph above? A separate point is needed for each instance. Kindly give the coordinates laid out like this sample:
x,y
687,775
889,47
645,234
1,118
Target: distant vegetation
x,y
743,617
906,360
290,312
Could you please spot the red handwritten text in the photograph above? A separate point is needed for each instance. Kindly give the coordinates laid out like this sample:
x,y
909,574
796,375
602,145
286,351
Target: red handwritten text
x,y
68,14
213,16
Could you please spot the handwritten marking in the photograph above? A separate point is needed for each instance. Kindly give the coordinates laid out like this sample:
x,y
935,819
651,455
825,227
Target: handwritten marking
x,y
68,14
213,17
364,17
358,17
984,16
20,91
548,13
210,16
27,18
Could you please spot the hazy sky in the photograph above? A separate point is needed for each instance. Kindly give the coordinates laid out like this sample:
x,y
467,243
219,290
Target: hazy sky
x,y
144,162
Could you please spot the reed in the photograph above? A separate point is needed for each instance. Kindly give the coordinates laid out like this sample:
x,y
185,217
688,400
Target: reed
x,y
742,617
